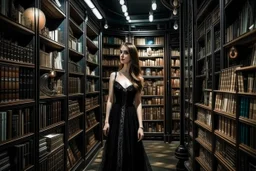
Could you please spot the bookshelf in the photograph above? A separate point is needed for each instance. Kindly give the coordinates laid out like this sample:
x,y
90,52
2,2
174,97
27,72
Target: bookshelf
x,y
224,84
151,57
45,106
112,41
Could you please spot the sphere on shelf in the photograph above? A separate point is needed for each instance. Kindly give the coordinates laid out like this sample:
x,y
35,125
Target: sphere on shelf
x,y
35,15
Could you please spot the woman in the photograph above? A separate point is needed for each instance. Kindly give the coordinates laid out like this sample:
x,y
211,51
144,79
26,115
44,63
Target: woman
x,y
123,127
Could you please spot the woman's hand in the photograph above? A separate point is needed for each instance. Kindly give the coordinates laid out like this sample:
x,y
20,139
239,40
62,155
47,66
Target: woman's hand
x,y
106,129
140,134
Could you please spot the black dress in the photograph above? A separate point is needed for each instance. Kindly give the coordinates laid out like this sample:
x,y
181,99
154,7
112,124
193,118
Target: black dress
x,y
122,151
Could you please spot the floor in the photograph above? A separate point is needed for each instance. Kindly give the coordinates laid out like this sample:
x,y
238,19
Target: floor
x,y
160,154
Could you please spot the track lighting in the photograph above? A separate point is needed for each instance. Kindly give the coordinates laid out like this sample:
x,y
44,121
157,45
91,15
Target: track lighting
x,y
153,5
151,16
175,26
93,8
106,25
124,8
121,2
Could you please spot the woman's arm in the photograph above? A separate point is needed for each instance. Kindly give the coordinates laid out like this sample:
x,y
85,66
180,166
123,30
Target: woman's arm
x,y
109,103
138,106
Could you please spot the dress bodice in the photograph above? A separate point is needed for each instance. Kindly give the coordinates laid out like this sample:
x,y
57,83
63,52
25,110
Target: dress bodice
x,y
124,95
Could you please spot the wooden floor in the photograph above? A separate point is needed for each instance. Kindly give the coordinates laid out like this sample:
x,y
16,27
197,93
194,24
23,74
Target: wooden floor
x,y
161,156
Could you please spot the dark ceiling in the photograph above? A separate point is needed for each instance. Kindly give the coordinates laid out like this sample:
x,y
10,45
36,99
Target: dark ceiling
x,y
138,11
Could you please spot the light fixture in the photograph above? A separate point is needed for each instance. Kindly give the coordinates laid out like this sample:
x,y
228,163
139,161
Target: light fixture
x,y
106,25
151,16
126,13
175,3
175,26
96,13
154,5
128,18
124,8
89,3
175,11
121,2
93,8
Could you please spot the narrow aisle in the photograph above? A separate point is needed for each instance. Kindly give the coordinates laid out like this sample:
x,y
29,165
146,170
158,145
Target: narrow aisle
x,y
161,156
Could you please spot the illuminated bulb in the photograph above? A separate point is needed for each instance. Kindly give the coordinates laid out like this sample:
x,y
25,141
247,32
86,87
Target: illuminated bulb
x,y
121,2
154,6
126,13
175,26
151,17
175,3
106,25
175,11
128,18
124,8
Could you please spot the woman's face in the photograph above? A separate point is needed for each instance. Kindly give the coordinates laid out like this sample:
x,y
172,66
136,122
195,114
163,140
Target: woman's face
x,y
124,55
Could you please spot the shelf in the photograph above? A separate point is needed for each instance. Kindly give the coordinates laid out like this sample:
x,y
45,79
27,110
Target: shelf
x,y
76,73
205,145
248,150
91,63
152,46
224,162
175,57
51,43
47,128
152,66
75,28
201,76
226,114
92,127
153,120
175,66
54,150
75,134
13,26
29,135
207,90
225,137
30,167
75,94
223,91
91,45
50,69
247,121
203,106
244,39
53,97
93,76
203,125
110,66
92,148
202,163
247,68
91,108
108,55
148,96
75,14
111,45
152,105
149,57
75,116
93,93
147,134
17,63
152,77
51,10
17,103
206,10
246,94
76,165
75,53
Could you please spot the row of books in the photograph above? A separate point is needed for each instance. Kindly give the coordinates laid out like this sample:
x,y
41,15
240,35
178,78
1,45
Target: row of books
x,y
51,59
112,40
152,62
153,90
149,41
205,156
152,52
204,116
49,113
73,108
111,51
152,113
227,126
74,85
73,126
74,154
91,119
15,123
16,83
91,101
110,62
226,151
152,72
247,134
205,136
226,103
154,100
153,126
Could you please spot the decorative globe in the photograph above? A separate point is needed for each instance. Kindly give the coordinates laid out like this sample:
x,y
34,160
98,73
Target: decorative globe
x,y
35,15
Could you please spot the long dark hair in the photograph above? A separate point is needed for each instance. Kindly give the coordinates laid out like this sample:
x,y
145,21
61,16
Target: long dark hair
x,y
135,70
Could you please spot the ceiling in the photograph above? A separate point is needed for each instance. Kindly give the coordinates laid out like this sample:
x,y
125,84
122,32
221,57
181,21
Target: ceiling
x,y
138,11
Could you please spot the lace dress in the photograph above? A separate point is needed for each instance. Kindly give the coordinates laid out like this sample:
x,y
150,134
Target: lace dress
x,y
122,151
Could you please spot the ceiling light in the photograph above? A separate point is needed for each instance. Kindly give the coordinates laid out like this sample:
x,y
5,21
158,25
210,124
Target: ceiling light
x,y
175,26
150,16
126,13
175,3
174,11
106,25
89,3
121,2
127,17
154,6
124,8
96,13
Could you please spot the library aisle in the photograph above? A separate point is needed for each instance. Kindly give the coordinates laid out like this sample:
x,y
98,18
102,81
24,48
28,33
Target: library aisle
x,y
161,156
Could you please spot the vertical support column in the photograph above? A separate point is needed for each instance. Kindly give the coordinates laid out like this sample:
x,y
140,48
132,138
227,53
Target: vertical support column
x,y
181,152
